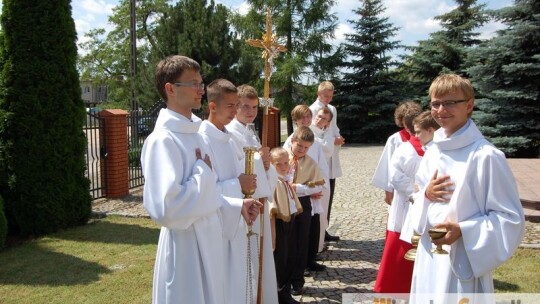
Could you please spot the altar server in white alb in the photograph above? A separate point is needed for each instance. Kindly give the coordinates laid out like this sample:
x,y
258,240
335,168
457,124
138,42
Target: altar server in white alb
x,y
381,177
240,282
395,272
248,105
180,192
325,93
467,188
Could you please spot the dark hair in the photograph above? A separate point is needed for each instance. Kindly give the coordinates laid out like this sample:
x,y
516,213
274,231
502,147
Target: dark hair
x,y
218,87
425,120
170,69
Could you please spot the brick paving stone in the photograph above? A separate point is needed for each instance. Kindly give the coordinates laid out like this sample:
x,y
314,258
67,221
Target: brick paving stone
x,y
358,217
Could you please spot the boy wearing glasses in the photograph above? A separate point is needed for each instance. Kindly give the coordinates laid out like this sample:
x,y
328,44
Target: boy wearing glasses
x,y
466,188
180,192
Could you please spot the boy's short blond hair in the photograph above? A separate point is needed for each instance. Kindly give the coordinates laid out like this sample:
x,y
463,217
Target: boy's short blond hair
x,y
247,91
303,134
276,153
300,111
449,83
325,85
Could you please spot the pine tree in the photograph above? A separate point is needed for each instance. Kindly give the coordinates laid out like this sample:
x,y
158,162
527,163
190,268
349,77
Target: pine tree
x,y
42,144
368,91
506,70
445,51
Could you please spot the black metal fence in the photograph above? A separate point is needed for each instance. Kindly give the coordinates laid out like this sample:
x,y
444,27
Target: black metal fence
x,y
96,154
139,125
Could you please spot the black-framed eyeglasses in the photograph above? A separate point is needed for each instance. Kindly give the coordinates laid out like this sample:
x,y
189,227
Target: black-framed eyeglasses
x,y
193,85
447,104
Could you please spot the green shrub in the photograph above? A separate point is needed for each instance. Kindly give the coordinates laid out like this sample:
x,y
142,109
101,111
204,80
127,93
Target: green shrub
x,y
41,137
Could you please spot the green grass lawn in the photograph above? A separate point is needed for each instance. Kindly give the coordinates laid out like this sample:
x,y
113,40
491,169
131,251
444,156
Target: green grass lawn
x,y
111,261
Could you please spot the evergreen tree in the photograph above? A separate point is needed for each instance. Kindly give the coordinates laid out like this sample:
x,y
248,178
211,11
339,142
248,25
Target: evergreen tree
x,y
506,70
368,91
445,51
304,28
42,144
3,224
202,32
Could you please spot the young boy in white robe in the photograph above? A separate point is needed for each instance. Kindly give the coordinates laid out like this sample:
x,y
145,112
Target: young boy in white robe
x,y
325,94
320,127
285,206
180,192
395,272
424,129
466,188
248,104
381,177
240,283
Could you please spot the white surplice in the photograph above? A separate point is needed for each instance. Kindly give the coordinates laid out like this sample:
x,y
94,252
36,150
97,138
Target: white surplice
x,y
180,195
486,205
381,177
266,181
403,166
334,165
226,162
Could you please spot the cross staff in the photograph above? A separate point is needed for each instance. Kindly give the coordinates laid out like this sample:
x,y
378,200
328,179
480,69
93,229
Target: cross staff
x,y
270,50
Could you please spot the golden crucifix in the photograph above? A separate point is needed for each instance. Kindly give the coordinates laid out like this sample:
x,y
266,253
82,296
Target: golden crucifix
x,y
270,50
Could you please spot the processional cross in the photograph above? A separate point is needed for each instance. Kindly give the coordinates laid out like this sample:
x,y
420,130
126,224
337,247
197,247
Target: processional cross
x,y
270,49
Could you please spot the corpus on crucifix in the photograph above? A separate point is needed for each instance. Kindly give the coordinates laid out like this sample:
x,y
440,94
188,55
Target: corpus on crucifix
x,y
270,49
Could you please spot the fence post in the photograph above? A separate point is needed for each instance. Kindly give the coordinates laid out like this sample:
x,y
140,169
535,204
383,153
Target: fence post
x,y
116,140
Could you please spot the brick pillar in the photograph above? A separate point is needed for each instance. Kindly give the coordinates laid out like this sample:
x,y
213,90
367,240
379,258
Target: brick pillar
x,y
116,141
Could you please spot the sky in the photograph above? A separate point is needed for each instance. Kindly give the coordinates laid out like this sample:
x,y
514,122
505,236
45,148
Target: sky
x,y
413,17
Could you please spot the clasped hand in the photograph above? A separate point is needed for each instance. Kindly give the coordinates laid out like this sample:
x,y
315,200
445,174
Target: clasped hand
x,y
250,210
438,188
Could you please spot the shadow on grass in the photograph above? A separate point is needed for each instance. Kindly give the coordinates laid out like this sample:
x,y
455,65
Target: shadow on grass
x,y
113,233
63,258
34,265
505,286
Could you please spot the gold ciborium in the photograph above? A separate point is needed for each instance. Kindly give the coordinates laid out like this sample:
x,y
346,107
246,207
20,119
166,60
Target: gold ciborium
x,y
435,234
411,253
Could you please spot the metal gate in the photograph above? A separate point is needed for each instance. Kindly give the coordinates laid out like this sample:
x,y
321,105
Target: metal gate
x,y
96,154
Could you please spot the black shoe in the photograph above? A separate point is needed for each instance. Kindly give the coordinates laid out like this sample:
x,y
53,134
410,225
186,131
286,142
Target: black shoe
x,y
296,291
307,273
331,238
316,267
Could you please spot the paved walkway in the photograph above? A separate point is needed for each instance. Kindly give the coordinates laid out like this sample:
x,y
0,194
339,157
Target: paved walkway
x,y
358,217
